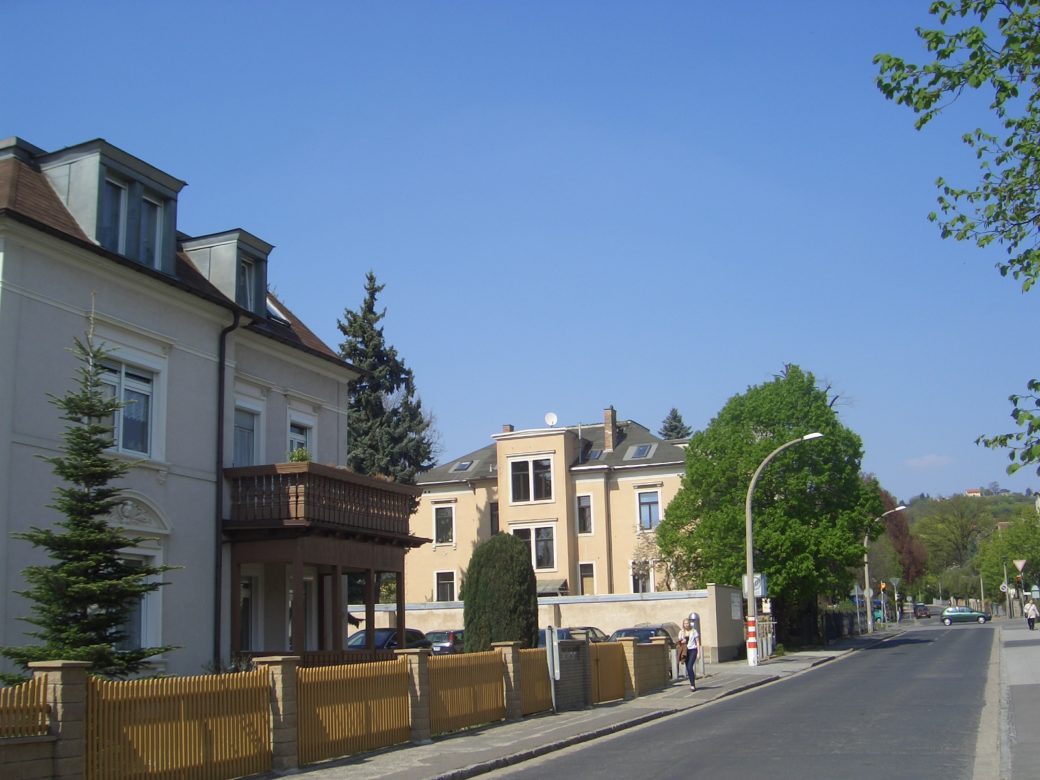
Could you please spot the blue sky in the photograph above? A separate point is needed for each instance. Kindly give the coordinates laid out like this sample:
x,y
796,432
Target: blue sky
x,y
573,204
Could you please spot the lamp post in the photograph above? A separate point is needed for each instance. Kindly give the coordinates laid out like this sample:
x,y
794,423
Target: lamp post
x,y
866,568
752,618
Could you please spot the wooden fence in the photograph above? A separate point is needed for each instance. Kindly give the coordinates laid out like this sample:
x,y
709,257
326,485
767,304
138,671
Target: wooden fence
x,y
184,728
535,691
352,708
23,710
466,690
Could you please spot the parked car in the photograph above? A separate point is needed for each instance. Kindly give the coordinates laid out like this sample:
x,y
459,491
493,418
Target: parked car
x,y
591,633
964,615
446,642
922,611
644,633
386,639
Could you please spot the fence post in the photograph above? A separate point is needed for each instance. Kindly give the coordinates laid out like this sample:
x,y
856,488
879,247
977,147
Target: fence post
x,y
66,683
285,750
631,682
510,652
419,693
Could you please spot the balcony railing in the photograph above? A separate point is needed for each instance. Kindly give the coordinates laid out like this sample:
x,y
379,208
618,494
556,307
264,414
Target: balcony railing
x,y
309,494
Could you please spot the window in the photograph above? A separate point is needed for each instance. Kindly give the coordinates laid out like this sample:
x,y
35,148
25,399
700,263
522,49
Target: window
x,y
132,425
494,517
463,465
649,510
445,586
113,217
584,514
531,480
245,438
642,576
640,451
444,525
151,232
133,628
245,292
541,540
586,579
595,454
299,437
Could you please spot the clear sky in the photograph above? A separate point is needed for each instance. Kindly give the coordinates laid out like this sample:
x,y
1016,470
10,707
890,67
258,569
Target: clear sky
x,y
573,204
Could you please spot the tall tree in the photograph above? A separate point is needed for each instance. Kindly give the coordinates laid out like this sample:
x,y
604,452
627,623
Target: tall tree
x,y
389,433
500,594
82,602
811,508
673,426
992,46
952,530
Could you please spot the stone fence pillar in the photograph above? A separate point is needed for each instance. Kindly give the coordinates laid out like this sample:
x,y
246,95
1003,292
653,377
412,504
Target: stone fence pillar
x,y
284,724
419,693
631,684
510,652
66,683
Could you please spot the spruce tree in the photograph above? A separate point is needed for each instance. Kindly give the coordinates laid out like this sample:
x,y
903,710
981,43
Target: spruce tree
x,y
500,594
389,433
673,426
84,598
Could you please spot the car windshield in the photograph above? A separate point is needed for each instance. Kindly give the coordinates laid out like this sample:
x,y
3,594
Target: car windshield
x,y
438,636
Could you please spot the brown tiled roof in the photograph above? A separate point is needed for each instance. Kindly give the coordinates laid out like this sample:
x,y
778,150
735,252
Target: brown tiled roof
x,y
27,192
303,334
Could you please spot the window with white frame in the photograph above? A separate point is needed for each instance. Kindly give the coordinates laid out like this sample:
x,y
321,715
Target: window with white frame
x,y
245,293
445,584
642,576
150,244
531,479
584,514
649,509
245,446
132,424
112,233
586,579
541,541
444,524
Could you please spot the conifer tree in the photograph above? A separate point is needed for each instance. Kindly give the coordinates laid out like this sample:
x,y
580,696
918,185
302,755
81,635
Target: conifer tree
x,y
82,601
673,426
500,594
389,433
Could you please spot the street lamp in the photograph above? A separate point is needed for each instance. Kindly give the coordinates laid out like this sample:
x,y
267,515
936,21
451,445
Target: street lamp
x,y
866,569
752,618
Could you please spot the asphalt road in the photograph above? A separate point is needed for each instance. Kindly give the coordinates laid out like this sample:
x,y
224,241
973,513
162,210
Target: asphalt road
x,y
907,708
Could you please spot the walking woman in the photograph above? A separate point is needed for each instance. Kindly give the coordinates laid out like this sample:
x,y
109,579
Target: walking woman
x,y
689,645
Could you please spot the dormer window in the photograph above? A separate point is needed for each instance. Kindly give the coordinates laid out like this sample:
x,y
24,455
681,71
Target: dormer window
x,y
113,217
151,232
245,294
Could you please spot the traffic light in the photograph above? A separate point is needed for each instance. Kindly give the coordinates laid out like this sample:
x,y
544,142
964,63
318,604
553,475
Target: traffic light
x,y
883,586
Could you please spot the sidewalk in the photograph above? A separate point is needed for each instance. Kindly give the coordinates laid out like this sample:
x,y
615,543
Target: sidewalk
x,y
1020,699
480,750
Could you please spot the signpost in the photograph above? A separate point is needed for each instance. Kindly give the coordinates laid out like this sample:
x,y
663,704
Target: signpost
x,y
895,597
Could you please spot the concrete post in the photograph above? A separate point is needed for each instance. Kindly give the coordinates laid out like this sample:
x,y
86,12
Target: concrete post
x,y
510,652
66,683
419,693
284,727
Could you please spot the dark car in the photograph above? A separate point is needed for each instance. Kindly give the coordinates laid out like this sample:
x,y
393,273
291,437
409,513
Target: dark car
x,y
386,639
922,611
590,633
964,615
446,642
645,633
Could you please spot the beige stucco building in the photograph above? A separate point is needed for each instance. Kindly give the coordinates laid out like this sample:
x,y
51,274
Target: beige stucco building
x,y
585,498
221,381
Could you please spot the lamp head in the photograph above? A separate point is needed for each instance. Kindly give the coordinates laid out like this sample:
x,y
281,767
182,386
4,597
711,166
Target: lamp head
x,y
811,436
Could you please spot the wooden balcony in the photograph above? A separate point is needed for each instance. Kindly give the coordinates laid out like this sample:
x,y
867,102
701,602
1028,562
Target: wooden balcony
x,y
286,495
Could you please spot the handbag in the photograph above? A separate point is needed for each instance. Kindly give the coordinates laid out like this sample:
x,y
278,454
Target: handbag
x,y
682,653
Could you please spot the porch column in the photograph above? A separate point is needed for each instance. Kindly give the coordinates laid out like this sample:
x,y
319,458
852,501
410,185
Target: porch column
x,y
337,608
235,605
400,607
370,609
299,615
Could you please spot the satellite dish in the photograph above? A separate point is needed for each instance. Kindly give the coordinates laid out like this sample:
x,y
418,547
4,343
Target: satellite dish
x,y
550,419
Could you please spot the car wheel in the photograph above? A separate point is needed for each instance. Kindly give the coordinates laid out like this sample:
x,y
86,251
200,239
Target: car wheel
x,y
947,621
981,619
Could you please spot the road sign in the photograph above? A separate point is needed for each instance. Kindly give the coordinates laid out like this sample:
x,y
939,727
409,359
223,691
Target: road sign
x,y
1020,565
1003,587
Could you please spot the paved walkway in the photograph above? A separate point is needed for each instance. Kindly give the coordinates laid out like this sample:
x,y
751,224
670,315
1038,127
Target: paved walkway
x,y
476,751
1020,699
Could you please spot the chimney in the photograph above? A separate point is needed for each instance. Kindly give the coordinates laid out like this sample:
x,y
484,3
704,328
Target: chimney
x,y
507,428
609,428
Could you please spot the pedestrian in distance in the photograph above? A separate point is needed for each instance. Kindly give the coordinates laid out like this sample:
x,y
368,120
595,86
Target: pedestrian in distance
x,y
689,645
1032,613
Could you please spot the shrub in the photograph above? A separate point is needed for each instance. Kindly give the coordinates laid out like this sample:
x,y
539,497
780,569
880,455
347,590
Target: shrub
x,y
500,595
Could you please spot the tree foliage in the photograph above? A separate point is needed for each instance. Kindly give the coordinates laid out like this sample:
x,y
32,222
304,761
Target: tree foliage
x,y
952,531
500,594
389,433
811,507
82,601
673,427
1019,540
992,46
